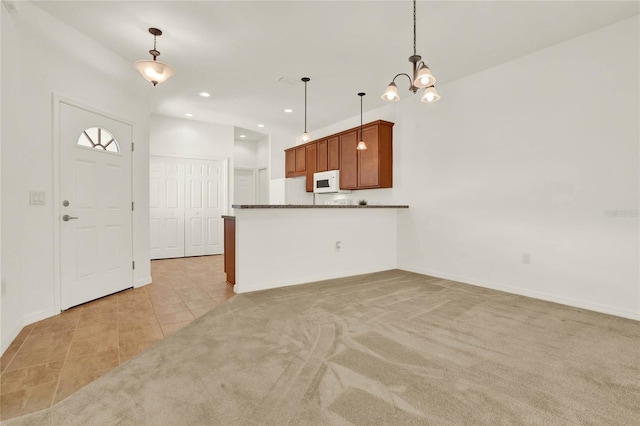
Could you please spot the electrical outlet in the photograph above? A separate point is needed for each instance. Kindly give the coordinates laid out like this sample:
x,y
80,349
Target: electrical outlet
x,y
526,258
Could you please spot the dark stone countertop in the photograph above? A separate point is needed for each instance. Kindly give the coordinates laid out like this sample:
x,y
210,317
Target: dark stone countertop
x,y
319,206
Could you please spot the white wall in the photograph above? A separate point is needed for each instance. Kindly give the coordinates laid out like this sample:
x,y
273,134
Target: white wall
x,y
245,154
41,56
194,139
528,157
280,247
279,141
262,153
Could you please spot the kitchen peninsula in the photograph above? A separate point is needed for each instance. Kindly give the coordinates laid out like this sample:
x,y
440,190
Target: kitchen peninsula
x,y
281,245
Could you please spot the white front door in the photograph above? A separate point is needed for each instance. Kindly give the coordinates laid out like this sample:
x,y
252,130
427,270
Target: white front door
x,y
95,205
166,202
244,187
204,206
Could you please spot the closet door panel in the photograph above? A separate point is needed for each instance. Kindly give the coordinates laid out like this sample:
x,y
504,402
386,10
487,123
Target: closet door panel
x,y
166,202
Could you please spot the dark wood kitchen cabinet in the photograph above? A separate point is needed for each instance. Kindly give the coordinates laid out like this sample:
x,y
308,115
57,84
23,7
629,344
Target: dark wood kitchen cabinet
x,y
370,168
311,156
328,154
230,248
367,169
295,161
321,164
349,160
333,153
375,167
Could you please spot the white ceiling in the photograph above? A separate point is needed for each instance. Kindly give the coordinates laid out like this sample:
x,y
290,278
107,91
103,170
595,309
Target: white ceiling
x,y
237,50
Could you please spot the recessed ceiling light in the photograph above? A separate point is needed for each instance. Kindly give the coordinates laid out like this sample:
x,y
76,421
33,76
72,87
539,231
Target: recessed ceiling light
x,y
188,114
288,110
243,136
260,125
204,94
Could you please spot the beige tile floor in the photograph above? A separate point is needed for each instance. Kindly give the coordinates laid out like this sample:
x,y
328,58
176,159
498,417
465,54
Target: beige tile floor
x,y
51,359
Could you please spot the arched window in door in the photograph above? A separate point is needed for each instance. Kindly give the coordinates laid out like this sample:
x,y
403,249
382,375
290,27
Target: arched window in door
x,y
98,138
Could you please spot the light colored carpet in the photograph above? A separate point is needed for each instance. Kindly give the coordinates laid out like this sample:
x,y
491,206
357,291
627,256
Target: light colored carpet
x,y
392,348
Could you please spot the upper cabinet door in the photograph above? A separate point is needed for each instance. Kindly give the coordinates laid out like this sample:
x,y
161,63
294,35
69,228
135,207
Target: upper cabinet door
x,y
349,160
322,156
369,159
371,168
311,155
301,159
290,162
333,153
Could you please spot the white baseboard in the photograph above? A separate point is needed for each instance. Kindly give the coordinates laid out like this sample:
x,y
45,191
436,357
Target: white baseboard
x,y
531,293
39,315
8,338
140,282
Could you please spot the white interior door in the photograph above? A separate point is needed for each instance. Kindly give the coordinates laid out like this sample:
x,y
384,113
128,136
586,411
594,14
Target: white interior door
x,y
166,201
263,186
244,186
95,199
204,201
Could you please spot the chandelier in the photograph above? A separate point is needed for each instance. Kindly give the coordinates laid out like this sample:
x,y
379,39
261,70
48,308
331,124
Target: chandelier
x,y
422,77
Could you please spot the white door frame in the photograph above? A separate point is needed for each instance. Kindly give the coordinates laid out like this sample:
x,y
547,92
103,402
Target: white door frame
x,y
55,199
258,181
254,178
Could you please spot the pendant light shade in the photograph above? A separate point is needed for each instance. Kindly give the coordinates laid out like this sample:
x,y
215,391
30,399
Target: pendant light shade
x,y
391,94
154,71
361,145
305,136
430,95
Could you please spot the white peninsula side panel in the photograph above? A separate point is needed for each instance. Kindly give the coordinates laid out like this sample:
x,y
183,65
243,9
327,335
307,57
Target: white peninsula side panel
x,y
282,247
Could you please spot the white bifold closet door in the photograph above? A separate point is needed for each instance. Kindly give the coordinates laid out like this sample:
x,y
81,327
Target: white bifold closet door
x,y
199,204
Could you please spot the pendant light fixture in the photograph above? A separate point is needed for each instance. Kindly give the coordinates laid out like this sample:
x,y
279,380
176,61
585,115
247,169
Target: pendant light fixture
x,y
361,145
305,135
422,76
154,71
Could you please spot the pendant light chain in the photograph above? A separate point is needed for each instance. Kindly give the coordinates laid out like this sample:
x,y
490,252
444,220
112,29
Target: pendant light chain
x,y
361,116
361,144
305,135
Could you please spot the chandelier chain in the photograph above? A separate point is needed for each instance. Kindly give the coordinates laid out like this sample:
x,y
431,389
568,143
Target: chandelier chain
x,y
414,27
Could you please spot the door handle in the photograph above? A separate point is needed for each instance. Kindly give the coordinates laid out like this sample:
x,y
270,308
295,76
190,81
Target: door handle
x,y
67,218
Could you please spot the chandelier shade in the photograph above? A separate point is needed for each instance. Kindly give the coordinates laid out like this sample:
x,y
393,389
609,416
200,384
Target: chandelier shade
x,y
424,77
430,95
391,94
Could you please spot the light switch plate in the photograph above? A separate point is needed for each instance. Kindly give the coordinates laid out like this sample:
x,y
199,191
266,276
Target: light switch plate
x,y
37,198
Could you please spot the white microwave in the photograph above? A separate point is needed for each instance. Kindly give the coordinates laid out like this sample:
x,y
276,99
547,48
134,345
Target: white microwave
x,y
326,182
